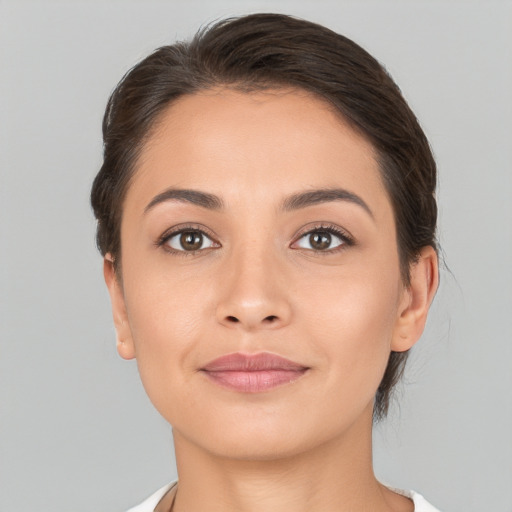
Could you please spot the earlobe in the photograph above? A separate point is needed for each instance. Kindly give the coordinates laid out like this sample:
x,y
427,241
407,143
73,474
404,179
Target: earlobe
x,y
125,346
413,311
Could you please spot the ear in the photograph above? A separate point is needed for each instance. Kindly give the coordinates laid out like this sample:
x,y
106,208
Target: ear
x,y
125,346
416,300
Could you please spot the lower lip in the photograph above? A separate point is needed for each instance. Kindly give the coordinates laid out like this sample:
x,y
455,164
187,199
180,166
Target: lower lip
x,y
255,381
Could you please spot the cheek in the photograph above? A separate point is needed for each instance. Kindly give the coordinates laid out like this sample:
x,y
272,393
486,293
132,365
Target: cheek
x,y
160,313
166,315
352,322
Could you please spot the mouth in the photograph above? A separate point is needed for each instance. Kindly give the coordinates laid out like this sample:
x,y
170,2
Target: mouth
x,y
253,373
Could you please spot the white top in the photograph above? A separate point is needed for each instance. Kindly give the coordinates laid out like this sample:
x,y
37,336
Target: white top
x,y
420,503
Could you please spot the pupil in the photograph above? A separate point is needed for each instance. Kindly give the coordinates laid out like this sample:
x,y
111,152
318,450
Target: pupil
x,y
320,240
191,240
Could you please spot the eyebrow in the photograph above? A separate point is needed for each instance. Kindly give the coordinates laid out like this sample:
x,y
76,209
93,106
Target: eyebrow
x,y
208,201
324,195
291,203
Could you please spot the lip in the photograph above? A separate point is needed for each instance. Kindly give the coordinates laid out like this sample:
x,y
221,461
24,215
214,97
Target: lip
x,y
253,373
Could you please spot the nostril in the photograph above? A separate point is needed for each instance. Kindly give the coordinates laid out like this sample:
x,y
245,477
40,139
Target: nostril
x,y
233,319
270,318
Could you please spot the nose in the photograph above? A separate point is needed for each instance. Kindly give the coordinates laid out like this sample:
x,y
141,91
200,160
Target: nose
x,y
254,293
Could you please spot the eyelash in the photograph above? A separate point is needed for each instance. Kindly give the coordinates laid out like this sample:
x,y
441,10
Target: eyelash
x,y
347,240
331,229
177,230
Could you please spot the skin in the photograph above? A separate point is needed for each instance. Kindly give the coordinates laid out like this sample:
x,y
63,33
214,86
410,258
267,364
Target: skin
x,y
261,286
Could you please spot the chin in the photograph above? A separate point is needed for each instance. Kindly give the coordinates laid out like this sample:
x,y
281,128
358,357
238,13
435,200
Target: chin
x,y
254,446
259,439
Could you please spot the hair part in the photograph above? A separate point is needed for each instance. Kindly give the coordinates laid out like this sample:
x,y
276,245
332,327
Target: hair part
x,y
273,51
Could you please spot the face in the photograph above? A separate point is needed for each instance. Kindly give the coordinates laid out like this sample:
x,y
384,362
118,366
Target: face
x,y
257,229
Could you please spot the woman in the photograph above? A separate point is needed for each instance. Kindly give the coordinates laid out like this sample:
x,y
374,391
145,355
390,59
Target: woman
x,y
267,218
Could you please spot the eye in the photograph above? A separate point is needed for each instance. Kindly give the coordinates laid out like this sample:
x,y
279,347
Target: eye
x,y
323,240
189,240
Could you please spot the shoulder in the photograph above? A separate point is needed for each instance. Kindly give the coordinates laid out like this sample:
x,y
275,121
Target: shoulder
x,y
420,503
149,504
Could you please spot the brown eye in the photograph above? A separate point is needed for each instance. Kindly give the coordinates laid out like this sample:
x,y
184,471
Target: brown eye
x,y
320,241
189,241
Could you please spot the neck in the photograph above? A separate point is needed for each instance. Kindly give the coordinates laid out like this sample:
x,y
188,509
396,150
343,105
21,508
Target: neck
x,y
337,475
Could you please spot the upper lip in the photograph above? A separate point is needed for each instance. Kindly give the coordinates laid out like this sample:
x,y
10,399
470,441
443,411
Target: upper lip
x,y
251,363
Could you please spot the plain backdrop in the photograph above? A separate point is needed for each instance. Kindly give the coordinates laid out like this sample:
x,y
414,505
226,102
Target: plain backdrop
x,y
76,429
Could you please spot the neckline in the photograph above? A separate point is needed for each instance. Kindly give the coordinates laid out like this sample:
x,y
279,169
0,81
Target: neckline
x,y
168,493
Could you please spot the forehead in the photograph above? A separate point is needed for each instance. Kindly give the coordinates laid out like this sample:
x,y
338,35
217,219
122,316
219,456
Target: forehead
x,y
270,143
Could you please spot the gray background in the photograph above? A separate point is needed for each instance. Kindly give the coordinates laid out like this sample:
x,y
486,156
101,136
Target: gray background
x,y
76,430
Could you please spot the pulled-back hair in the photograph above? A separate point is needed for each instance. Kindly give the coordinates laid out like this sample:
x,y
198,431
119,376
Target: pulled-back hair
x,y
269,51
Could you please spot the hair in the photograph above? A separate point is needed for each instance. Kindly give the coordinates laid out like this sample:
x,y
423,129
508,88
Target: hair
x,y
272,51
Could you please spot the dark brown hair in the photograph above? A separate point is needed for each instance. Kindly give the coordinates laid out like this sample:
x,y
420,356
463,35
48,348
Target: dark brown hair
x,y
262,51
